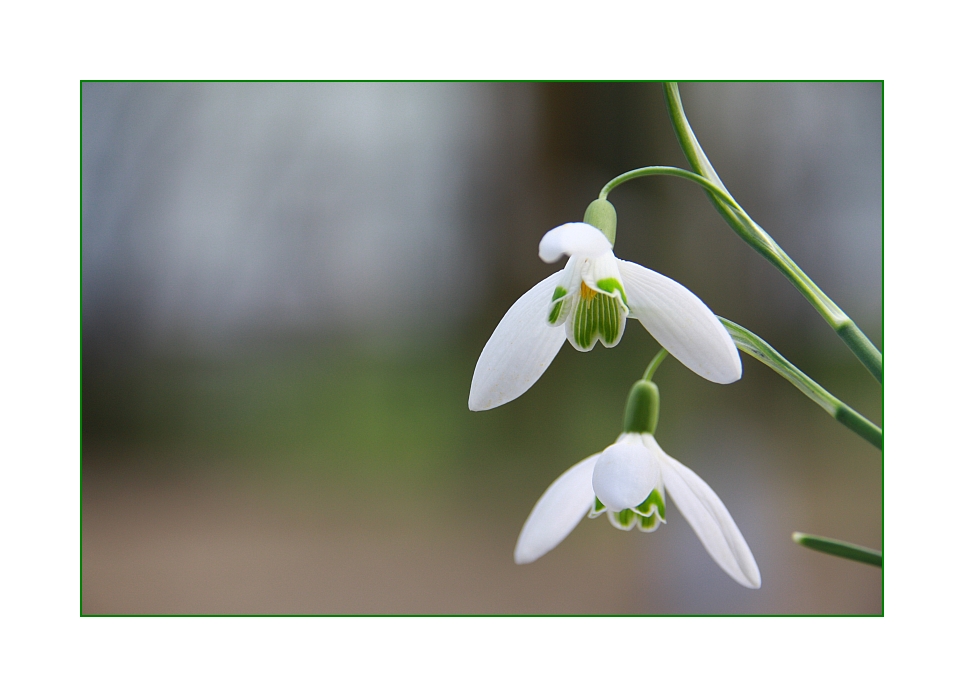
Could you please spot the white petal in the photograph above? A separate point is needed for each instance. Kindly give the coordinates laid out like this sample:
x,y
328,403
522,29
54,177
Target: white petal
x,y
703,510
557,512
625,474
682,323
600,267
573,239
519,350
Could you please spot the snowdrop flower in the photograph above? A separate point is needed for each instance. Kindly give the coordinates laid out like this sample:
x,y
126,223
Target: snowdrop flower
x,y
589,301
629,481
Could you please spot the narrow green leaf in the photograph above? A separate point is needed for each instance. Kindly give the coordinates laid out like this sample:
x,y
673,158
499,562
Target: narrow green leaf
x,y
839,548
751,344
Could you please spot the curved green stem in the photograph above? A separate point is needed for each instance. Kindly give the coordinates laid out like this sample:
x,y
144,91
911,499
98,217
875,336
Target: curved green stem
x,y
751,344
654,364
759,240
839,548
657,170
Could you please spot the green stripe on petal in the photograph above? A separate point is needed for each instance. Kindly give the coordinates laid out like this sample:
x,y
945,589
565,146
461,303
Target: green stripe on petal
x,y
654,503
648,523
624,519
558,306
597,316
598,508
611,285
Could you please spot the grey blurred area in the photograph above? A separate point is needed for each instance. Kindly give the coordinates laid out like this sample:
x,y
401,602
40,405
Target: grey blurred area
x,y
214,213
286,287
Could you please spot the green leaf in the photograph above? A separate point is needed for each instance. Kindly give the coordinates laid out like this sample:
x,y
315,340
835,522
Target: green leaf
x,y
839,548
752,345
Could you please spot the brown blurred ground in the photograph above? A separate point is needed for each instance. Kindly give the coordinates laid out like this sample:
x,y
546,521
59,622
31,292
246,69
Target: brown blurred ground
x,y
184,526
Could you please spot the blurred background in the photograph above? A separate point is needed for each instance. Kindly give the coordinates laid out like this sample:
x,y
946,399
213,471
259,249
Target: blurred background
x,y
286,287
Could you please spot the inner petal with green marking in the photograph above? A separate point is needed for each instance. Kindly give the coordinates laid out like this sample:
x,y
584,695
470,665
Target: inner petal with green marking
x,y
598,508
558,306
648,523
652,511
654,503
597,316
611,285
646,516
624,520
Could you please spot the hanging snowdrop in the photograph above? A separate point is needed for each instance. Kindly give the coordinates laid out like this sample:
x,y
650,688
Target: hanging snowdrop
x,y
589,301
628,481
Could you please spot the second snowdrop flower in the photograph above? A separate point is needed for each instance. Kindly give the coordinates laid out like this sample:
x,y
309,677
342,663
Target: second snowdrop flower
x,y
629,481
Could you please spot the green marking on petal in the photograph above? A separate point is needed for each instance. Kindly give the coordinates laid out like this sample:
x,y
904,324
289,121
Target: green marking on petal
x,y
648,523
654,503
624,519
611,285
598,508
627,517
558,305
596,316
554,313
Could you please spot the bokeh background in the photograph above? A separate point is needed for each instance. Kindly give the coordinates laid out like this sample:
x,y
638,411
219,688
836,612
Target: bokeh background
x,y
286,287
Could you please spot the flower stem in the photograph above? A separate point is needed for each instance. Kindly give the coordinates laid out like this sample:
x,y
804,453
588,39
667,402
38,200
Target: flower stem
x,y
751,344
758,238
654,364
839,548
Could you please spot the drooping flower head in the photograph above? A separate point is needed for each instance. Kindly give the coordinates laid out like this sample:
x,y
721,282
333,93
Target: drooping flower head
x,y
629,481
589,301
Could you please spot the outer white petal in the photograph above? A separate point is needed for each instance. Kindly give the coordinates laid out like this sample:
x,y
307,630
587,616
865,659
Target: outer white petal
x,y
626,473
574,239
712,523
519,350
557,512
682,323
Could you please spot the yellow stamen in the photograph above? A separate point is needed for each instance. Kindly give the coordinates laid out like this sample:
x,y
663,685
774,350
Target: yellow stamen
x,y
586,293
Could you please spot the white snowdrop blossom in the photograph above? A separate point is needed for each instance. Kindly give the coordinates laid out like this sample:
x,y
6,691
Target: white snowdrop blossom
x,y
589,301
629,481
